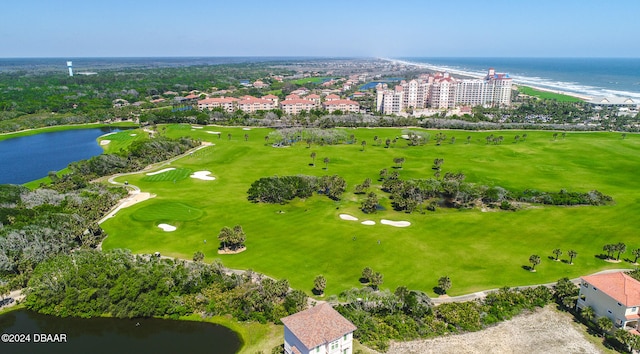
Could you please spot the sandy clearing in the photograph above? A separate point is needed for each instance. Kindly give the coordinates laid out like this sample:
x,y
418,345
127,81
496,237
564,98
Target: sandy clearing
x,y
544,331
167,227
368,222
161,171
395,223
203,175
348,217
104,142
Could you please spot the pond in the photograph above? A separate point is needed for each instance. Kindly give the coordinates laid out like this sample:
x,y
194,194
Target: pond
x,y
32,157
110,335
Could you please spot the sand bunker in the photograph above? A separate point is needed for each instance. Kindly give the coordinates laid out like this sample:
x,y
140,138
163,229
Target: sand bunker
x,y
167,227
214,133
395,223
104,142
246,128
195,127
133,134
161,171
103,135
348,217
368,222
203,175
405,136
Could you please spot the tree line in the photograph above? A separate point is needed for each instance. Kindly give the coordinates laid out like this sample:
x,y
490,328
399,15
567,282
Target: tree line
x,y
280,189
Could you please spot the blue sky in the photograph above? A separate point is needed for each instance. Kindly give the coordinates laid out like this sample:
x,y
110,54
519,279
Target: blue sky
x,y
364,28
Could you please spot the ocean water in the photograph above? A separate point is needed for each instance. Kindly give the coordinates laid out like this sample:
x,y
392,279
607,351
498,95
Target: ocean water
x,y
592,77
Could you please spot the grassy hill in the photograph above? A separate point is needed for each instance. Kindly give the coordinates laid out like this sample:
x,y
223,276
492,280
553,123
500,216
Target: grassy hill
x,y
477,250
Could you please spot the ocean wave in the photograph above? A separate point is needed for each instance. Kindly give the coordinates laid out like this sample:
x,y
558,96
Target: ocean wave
x,y
541,82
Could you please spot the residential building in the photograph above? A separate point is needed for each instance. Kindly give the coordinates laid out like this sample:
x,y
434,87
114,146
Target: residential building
x,y
612,295
315,98
318,330
331,97
296,106
442,91
341,105
273,98
229,104
250,104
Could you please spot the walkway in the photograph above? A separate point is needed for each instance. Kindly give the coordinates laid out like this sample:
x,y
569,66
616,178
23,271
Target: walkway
x,y
482,294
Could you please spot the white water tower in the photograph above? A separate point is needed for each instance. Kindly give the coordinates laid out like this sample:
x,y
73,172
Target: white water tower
x,y
69,65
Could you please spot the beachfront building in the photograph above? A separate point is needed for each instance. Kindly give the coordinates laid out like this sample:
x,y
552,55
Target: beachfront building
x,y
346,106
297,105
612,295
443,91
318,330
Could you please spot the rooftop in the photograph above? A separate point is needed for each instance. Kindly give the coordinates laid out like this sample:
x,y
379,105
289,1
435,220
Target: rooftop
x,y
619,286
318,325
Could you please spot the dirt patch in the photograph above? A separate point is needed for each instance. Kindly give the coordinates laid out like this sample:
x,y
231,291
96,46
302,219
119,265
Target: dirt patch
x,y
544,331
228,251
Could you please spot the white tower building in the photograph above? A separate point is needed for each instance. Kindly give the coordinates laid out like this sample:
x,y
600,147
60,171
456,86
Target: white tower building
x,y
69,65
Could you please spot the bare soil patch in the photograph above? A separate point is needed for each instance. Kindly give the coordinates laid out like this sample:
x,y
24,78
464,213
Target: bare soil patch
x,y
544,331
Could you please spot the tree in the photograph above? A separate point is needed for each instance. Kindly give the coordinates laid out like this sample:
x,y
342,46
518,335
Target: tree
x,y
609,248
444,283
636,255
376,280
624,136
469,139
326,163
313,158
225,236
398,161
605,324
363,143
319,283
620,248
229,136
198,256
555,136
587,313
572,254
534,260
246,137
557,252
387,143
524,137
367,274
370,205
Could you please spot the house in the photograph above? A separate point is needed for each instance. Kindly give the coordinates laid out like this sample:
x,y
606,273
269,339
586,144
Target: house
x,y
296,106
612,295
229,104
331,97
318,330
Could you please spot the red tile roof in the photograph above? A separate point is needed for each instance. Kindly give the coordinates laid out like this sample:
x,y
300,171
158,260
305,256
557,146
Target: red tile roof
x,y
619,286
270,96
218,100
313,95
296,101
318,325
332,97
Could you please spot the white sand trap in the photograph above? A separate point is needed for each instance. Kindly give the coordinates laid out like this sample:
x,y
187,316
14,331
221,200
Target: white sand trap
x,y
246,128
105,142
203,175
348,217
368,222
395,223
404,136
103,135
195,127
133,134
161,171
167,227
216,133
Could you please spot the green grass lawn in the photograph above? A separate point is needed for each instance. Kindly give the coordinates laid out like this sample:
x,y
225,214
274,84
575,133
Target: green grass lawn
x,y
304,238
306,80
547,95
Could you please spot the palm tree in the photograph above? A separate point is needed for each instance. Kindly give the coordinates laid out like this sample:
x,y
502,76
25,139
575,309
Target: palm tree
x,y
605,324
444,283
621,248
468,139
198,256
572,254
387,143
266,138
319,283
524,137
398,161
313,158
609,248
376,280
587,313
363,143
534,260
229,136
246,137
555,136
636,254
326,163
367,274
557,252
